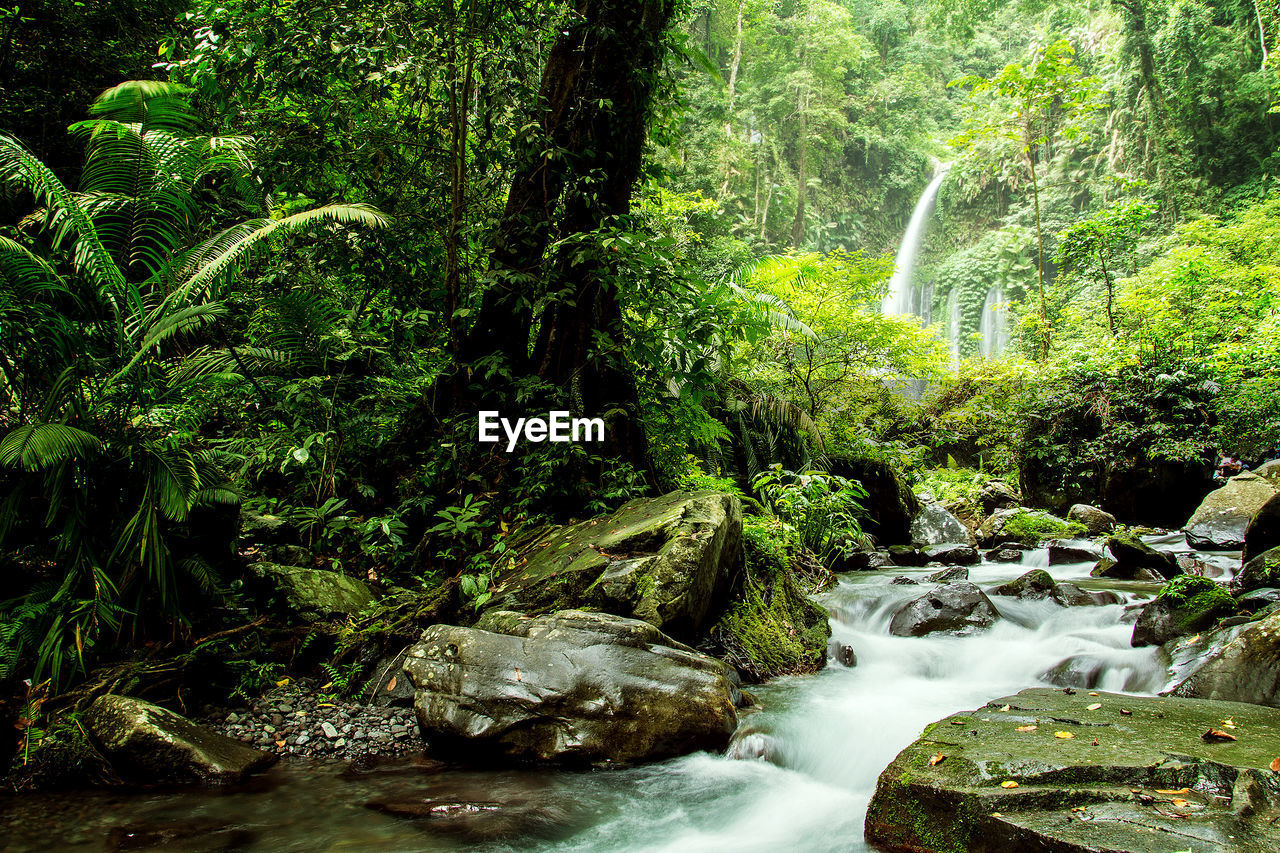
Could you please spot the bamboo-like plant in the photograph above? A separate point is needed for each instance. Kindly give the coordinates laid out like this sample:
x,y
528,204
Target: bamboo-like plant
x,y
101,292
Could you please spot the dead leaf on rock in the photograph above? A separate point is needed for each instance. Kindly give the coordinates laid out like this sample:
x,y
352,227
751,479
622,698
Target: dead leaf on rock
x,y
1009,784
1179,804
1275,764
1005,708
1095,706
1217,736
937,758
1179,791
1063,735
391,685
1027,728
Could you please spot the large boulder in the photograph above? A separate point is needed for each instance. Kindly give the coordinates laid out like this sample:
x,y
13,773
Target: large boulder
x,y
311,594
936,526
953,553
1005,777
147,744
1065,551
1263,532
571,687
1220,522
1035,584
1070,595
995,495
890,502
1245,669
1187,604
957,608
666,560
1259,573
1096,521
1131,553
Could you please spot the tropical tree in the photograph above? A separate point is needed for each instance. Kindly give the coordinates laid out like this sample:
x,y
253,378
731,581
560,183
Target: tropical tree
x,y
112,302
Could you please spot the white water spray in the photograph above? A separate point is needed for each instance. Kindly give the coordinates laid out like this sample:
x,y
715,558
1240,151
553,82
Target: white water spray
x,y
901,299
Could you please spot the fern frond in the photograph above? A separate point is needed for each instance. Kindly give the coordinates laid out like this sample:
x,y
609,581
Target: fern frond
x,y
35,447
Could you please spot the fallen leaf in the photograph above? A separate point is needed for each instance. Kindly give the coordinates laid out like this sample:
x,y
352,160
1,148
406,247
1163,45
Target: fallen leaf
x,y
937,758
1146,799
1179,804
1275,764
1217,736
957,722
1009,784
1095,706
1095,741
282,682
280,744
391,685
518,678
1228,724
1179,791
326,686
1125,712
1033,728
1093,693
1063,735
1005,708
1135,790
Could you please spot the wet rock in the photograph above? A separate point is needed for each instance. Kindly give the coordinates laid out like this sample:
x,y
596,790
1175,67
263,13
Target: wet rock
x,y
936,526
957,608
1005,554
666,560
1070,595
388,686
1062,551
1220,522
1095,521
903,580
1071,796
751,744
1080,671
1255,600
1193,566
952,573
311,594
531,689
952,553
1109,568
1260,572
890,502
842,653
861,561
1036,583
1131,553
995,495
1263,532
905,555
262,529
1245,669
1186,605
149,744
488,821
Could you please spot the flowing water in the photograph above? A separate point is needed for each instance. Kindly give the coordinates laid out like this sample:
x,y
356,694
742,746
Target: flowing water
x,y
827,738
995,323
903,299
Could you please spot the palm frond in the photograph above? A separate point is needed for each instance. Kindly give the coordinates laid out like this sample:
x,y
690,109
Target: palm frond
x,y
152,104
35,447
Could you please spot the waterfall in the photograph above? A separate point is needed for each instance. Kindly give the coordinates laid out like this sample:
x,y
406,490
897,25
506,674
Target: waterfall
x,y
902,299
953,322
995,325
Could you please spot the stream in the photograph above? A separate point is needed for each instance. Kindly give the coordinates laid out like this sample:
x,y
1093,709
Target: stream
x,y
829,736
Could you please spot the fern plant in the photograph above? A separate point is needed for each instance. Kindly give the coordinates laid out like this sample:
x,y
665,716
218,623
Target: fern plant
x,y
111,313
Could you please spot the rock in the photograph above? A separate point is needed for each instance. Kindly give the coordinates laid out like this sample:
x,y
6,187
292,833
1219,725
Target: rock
x,y
1070,595
995,495
262,529
570,687
484,810
1220,522
890,502
1004,554
842,653
1245,669
1269,471
903,580
953,553
952,573
751,744
1095,521
957,608
905,555
666,560
1063,551
1131,553
1186,605
311,593
1080,671
1028,527
1193,566
328,730
936,526
1255,600
148,744
1036,583
1260,572
1263,532
1071,796
1108,568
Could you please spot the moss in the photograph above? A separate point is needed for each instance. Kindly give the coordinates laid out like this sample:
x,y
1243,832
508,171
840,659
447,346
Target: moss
x,y
772,628
1197,602
1031,527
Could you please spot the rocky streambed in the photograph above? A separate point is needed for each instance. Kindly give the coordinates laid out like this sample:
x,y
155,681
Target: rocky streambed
x,y
802,768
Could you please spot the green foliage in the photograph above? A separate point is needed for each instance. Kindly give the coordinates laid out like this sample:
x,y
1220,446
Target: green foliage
x,y
1031,527
822,509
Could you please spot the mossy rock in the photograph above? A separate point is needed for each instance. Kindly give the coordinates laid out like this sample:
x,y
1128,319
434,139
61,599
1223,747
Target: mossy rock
x,y
1131,553
1027,527
1263,532
1036,583
1186,605
1240,664
312,593
666,560
973,781
1258,573
890,503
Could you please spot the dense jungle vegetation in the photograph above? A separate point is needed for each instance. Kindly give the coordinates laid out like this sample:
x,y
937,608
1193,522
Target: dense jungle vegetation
x,y
272,256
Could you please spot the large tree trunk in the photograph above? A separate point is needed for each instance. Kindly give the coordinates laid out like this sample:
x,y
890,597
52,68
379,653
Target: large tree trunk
x,y
576,174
